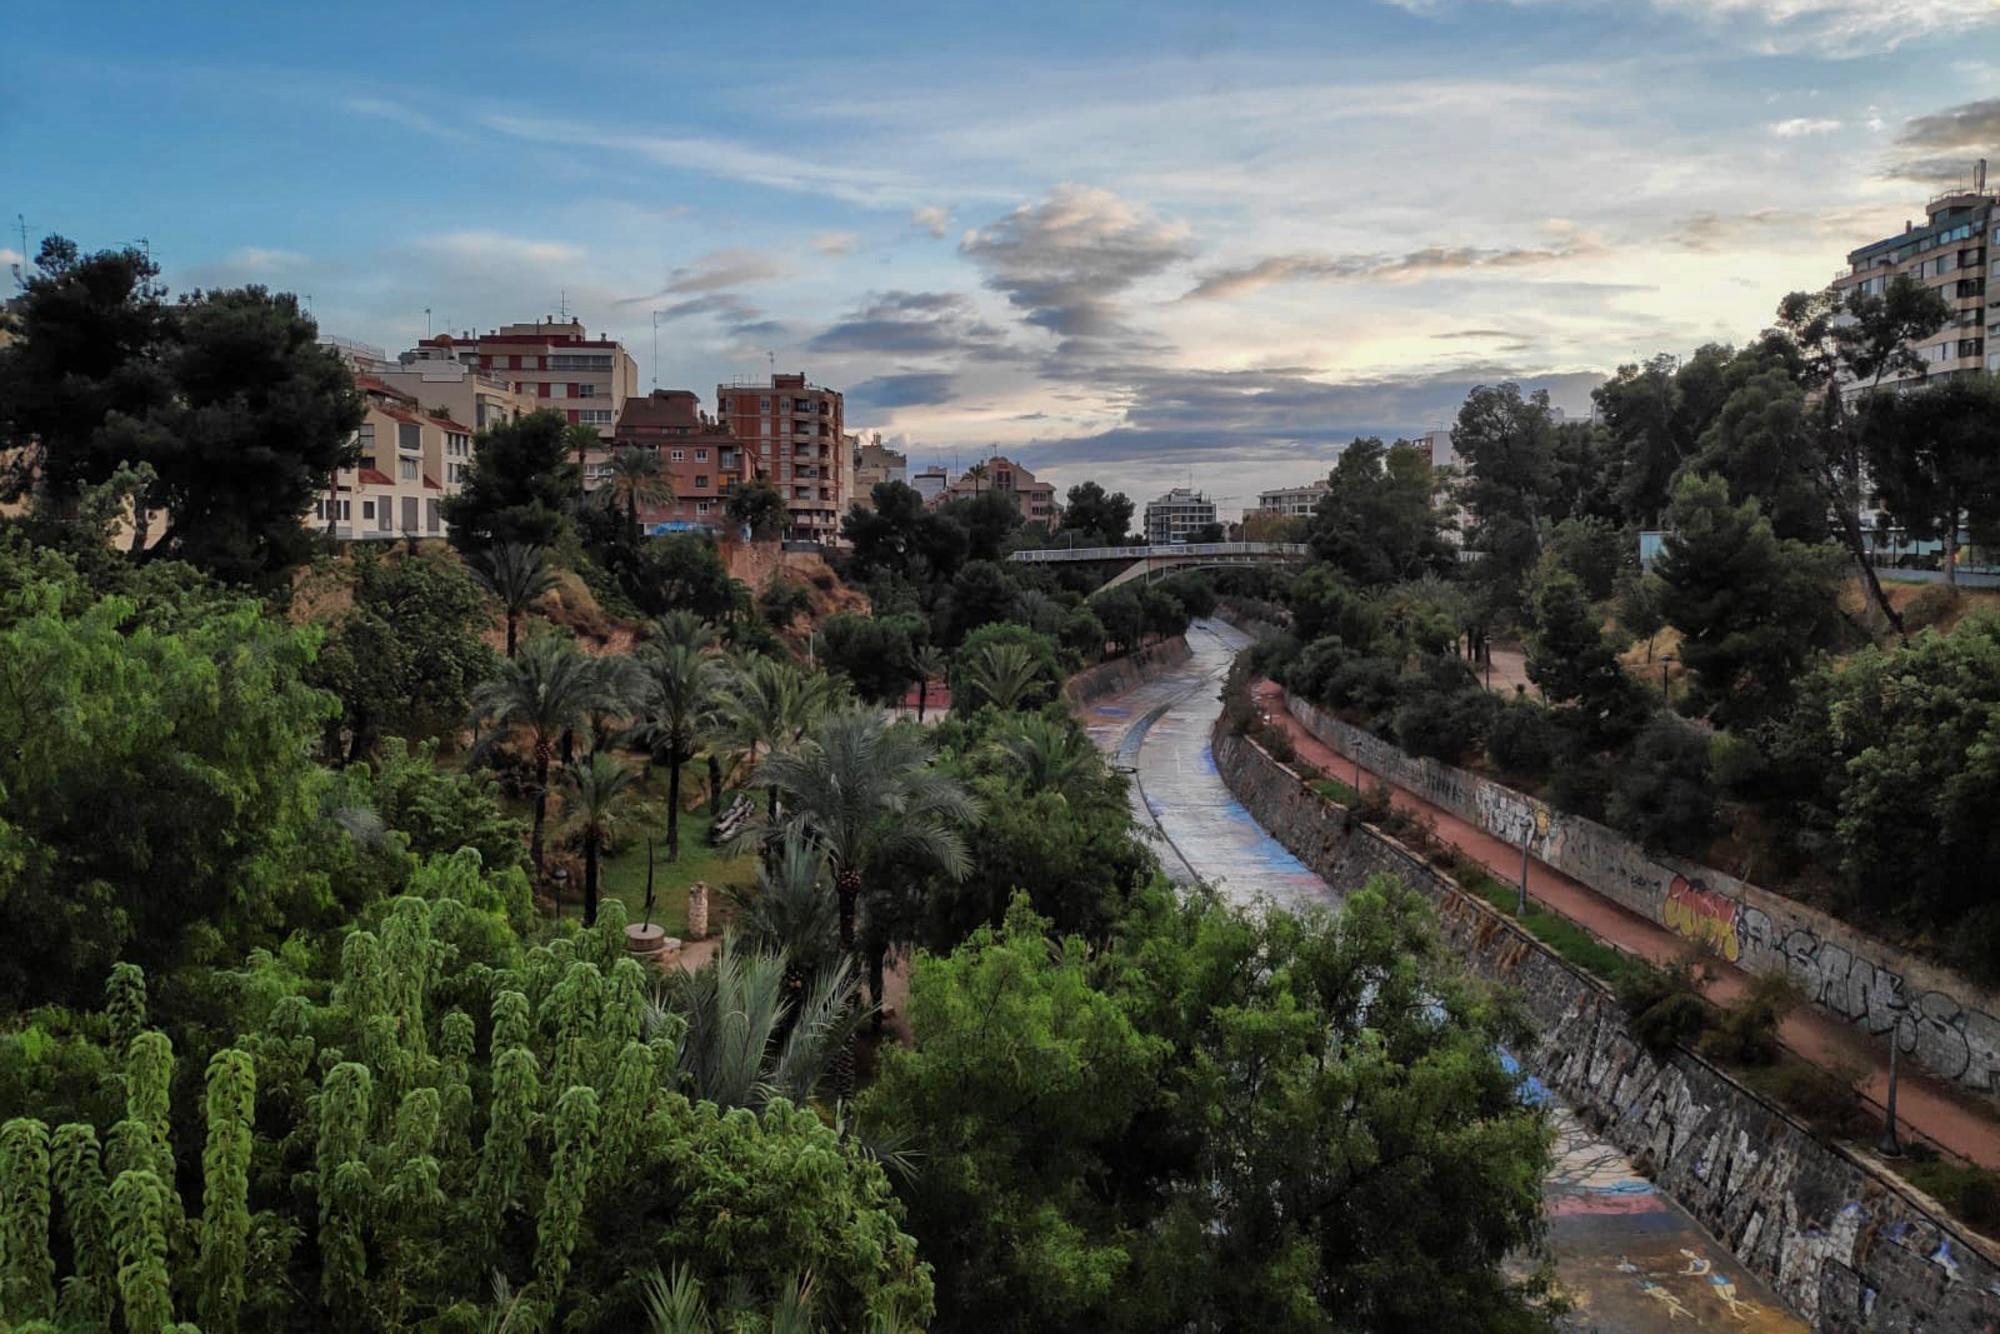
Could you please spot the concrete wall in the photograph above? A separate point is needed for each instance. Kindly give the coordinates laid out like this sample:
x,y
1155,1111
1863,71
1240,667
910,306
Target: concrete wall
x,y
1942,1020
1121,674
1844,1246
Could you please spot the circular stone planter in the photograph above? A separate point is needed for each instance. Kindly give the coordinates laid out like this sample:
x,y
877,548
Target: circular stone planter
x,y
645,938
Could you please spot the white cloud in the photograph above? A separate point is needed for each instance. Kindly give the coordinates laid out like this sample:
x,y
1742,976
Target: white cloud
x,y
485,247
1065,259
381,108
258,259
835,243
9,256
932,219
1838,27
1798,127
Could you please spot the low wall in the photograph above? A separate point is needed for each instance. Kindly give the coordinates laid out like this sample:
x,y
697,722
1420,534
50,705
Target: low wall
x,y
1845,1247
1121,674
1943,1021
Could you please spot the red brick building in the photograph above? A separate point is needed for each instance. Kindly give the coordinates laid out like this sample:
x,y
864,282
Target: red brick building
x,y
792,435
700,457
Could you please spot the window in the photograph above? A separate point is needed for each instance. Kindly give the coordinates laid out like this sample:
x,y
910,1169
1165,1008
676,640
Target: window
x,y
764,404
410,436
385,520
700,482
701,456
367,509
431,518
364,439
702,507
595,416
585,390
678,455
581,361
409,514
406,469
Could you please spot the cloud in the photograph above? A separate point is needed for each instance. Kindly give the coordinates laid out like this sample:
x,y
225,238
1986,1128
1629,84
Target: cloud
x,y
1835,27
398,113
721,269
916,389
1429,262
1798,127
932,219
913,324
11,256
835,243
259,259
1066,259
1939,149
489,247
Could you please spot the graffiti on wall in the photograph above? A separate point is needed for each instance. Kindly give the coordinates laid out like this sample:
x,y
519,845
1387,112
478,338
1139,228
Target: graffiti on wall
x,y
1695,912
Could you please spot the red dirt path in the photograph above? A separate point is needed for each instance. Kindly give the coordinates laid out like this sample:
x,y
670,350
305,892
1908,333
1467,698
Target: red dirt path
x,y
1923,1104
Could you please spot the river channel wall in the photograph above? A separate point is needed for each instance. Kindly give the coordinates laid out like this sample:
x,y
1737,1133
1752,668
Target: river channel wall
x,y
1844,1246
1121,674
1943,1021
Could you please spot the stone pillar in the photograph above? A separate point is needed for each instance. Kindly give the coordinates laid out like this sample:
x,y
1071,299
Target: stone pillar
x,y
698,911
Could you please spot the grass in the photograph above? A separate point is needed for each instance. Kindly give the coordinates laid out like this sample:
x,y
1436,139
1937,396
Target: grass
x,y
1570,941
1971,1193
623,875
1336,791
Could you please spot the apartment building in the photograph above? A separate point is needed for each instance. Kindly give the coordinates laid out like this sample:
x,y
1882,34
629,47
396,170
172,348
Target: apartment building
x,y
792,434
701,459
1035,499
437,377
1292,502
930,483
875,463
1173,516
1956,253
552,363
410,460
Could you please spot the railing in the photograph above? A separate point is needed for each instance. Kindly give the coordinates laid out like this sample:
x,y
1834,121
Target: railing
x,y
1286,550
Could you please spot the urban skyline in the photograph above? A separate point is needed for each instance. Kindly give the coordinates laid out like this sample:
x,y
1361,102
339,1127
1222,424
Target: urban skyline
x,y
1137,245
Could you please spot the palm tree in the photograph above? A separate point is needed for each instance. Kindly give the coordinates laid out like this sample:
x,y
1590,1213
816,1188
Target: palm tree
x,y
1050,755
516,575
637,477
681,694
597,789
1001,675
735,1009
685,629
792,912
676,1306
769,703
866,792
926,664
548,690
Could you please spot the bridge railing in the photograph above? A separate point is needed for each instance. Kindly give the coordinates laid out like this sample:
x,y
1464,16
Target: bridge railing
x,y
1209,549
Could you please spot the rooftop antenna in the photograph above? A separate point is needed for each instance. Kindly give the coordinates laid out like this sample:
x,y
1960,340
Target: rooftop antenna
x,y
562,301
427,322
772,358
656,348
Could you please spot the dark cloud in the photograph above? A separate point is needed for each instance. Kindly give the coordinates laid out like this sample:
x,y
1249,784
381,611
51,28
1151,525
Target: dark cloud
x,y
1474,333
916,389
1066,260
1427,262
1939,149
913,324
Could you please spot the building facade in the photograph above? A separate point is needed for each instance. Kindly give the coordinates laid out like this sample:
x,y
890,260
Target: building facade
x,y
701,459
1035,499
441,381
792,435
931,482
552,364
875,463
1176,514
1952,253
410,460
1292,502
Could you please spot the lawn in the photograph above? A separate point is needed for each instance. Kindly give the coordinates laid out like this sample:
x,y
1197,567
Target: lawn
x,y
623,875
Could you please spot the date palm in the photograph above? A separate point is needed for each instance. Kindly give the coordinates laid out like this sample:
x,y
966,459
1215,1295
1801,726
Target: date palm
x,y
769,704
1050,755
867,794
680,695
636,477
547,690
792,911
515,574
927,664
1001,675
597,790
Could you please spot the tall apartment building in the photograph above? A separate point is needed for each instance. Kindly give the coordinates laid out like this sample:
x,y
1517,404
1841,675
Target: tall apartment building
x,y
703,461
1293,502
1955,253
410,460
1036,500
875,463
1173,516
552,364
792,435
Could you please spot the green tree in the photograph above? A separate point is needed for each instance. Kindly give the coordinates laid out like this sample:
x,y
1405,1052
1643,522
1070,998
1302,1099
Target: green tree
x,y
871,652
682,572
1569,657
1663,793
1323,604
927,664
1097,517
1006,665
546,691
597,790
516,576
792,912
680,699
1749,607
519,486
1762,443
751,1035
1509,445
1376,523
1640,613
1930,454
767,704
637,479
758,507
981,594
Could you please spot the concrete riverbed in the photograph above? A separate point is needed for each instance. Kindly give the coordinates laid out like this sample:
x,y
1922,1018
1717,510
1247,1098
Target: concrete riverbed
x,y
1628,1258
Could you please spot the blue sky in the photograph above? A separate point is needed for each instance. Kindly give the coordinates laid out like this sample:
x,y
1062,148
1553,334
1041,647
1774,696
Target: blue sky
x,y
1146,243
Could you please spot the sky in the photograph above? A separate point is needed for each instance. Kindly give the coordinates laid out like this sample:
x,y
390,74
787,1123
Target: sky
x,y
1152,244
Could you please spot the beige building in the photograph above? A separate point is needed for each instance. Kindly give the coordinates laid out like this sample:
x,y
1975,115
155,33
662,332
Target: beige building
x,y
410,460
1953,253
550,364
875,463
1292,502
1035,499
443,383
792,436
1172,517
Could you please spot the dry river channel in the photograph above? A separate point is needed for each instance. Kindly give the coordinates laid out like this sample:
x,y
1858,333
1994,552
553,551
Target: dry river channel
x,y
1628,1257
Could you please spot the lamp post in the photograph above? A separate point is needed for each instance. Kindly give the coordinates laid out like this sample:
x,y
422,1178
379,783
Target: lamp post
x,y
1888,1145
1666,659
1538,828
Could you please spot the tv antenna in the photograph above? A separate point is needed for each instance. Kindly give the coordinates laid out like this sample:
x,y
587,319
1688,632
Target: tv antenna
x,y
562,302
427,321
656,347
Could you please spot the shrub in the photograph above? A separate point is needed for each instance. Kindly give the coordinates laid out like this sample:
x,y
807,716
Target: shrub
x,y
1665,1004
1932,605
1520,740
1747,1033
1661,793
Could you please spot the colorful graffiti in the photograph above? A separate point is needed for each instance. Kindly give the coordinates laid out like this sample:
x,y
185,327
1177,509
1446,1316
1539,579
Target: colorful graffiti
x,y
1700,914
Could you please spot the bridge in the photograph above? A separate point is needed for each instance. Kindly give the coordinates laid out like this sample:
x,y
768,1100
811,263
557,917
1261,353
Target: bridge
x,y
1145,562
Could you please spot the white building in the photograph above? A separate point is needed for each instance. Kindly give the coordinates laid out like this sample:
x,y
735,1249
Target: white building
x,y
1176,514
1293,502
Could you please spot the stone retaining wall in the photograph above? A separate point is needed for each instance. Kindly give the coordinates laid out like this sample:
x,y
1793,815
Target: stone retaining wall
x,y
1121,674
1843,1245
1943,1021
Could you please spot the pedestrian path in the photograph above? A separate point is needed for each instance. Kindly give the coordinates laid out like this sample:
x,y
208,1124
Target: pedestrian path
x,y
1924,1105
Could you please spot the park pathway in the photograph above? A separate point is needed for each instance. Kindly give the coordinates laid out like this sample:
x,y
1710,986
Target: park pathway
x,y
1630,1260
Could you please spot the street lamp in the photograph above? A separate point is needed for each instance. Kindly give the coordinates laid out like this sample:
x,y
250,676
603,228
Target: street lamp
x,y
1537,828
1666,659
1887,1145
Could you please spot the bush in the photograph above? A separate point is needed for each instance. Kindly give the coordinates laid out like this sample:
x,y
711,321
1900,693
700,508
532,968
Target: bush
x,y
1747,1033
1661,793
1824,1099
782,602
1665,1004
1444,712
1932,605
1521,741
